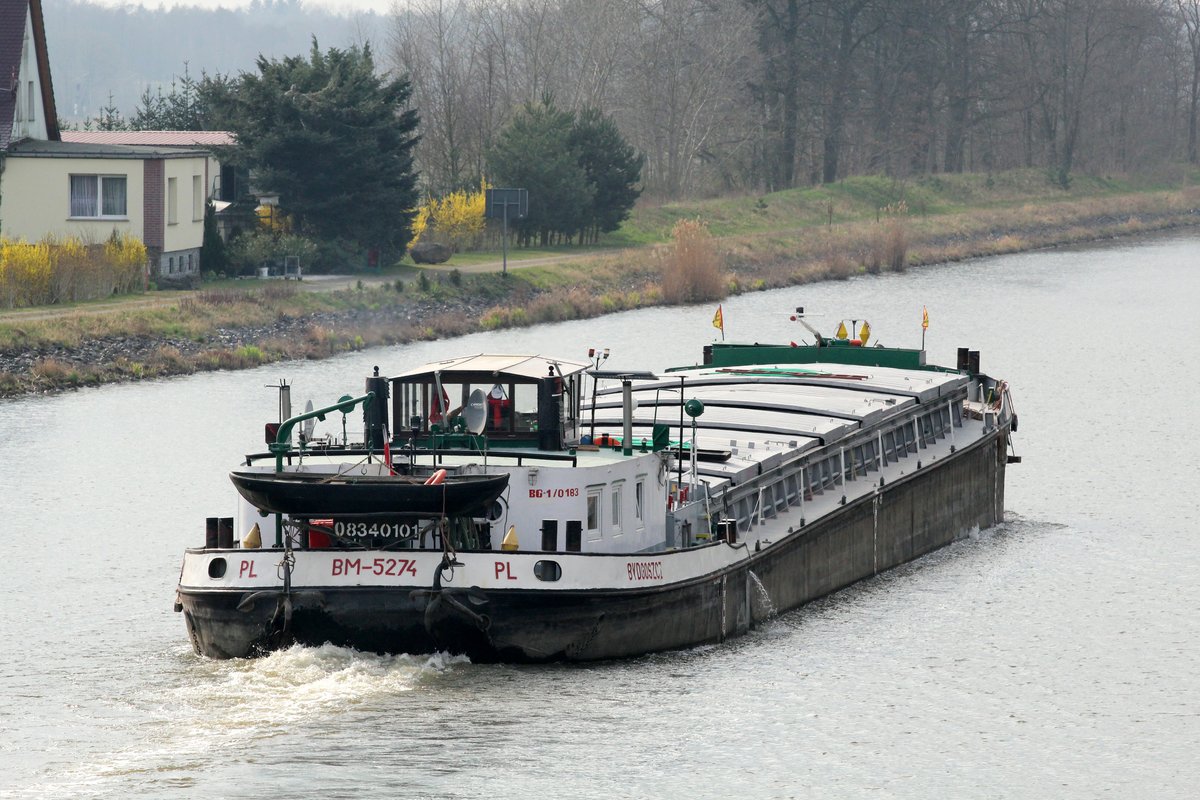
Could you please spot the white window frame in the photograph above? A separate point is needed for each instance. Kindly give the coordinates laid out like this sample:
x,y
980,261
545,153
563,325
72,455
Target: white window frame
x,y
594,523
639,502
615,500
100,180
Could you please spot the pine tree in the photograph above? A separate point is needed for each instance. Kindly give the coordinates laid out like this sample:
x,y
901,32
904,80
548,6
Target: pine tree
x,y
534,152
613,169
335,141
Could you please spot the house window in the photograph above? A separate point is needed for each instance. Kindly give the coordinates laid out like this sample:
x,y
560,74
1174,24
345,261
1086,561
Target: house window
x,y
197,199
98,196
189,262
172,201
171,266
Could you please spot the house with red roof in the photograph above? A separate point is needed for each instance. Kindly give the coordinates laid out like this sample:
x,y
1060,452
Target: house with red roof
x,y
60,183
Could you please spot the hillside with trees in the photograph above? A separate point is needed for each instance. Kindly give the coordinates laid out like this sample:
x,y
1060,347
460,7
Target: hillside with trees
x,y
593,105
727,96
718,96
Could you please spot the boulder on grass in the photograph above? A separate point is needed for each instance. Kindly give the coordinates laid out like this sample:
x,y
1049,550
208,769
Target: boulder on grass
x,y
429,253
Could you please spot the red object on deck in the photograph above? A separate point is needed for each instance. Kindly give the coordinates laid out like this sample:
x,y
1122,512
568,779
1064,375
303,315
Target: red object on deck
x,y
317,539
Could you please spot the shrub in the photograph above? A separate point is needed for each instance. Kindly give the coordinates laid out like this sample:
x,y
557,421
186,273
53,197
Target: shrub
x,y
456,219
691,269
262,247
888,243
65,271
838,266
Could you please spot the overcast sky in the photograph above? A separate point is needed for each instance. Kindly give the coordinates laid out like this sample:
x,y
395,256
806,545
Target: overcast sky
x,y
382,6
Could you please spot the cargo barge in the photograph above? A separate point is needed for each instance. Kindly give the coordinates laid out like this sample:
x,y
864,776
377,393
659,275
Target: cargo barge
x,y
544,509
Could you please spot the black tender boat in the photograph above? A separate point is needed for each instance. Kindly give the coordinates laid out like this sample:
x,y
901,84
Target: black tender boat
x,y
314,494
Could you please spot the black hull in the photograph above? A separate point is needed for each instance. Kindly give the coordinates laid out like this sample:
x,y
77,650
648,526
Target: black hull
x,y
308,494
909,518
508,627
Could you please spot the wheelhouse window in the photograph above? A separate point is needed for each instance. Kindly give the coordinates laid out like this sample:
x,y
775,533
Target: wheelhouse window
x,y
98,196
639,498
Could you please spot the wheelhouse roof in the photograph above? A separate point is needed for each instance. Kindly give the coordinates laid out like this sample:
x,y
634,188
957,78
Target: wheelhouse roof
x,y
484,367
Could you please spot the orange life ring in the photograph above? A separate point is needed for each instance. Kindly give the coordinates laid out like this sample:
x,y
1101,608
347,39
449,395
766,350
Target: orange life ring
x,y
436,478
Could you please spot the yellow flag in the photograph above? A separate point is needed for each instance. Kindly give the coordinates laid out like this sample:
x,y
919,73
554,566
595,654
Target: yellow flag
x,y
864,333
841,331
924,318
719,320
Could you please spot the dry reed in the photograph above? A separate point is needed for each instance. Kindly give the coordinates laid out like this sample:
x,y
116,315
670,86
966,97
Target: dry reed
x,y
691,269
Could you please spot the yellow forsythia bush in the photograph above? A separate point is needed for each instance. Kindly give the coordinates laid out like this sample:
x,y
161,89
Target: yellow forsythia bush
x,y
456,219
67,270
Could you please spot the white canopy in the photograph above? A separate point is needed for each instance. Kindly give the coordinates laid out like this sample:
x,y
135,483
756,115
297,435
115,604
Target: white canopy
x,y
511,367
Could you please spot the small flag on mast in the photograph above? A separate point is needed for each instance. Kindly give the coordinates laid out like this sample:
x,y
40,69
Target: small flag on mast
x,y
387,450
924,318
719,322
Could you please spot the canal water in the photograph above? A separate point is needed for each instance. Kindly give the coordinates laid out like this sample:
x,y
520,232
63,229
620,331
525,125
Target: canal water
x,y
1053,656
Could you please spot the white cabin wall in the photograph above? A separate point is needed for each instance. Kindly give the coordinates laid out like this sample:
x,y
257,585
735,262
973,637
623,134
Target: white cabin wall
x,y
561,493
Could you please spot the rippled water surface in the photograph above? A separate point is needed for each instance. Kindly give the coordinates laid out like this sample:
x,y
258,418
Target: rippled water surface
x,y
1053,656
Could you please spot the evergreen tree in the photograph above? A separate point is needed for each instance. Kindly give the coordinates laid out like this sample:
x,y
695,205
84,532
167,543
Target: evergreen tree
x,y
150,112
613,169
110,118
335,141
535,152
213,257
184,108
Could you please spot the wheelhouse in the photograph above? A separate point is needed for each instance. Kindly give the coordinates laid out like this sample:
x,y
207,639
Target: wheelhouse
x,y
518,401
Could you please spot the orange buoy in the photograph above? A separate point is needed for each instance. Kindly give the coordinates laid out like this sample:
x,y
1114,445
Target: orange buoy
x,y
436,478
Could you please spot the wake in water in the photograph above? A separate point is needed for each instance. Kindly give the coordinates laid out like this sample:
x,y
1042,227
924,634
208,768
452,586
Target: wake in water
x,y
234,707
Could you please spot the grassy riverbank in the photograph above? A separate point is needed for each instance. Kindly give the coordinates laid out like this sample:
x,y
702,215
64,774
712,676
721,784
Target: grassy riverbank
x,y
786,238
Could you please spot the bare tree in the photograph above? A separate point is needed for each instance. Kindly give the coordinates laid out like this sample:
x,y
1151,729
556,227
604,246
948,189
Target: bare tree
x,y
688,60
434,43
1189,12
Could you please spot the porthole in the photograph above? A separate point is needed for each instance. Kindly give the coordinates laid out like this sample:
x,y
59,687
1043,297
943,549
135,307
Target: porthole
x,y
547,571
216,568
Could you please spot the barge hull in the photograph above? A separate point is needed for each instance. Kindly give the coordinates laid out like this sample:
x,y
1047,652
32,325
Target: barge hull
x,y
892,525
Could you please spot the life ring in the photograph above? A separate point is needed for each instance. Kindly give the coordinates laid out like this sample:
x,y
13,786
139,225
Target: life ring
x,y
436,478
